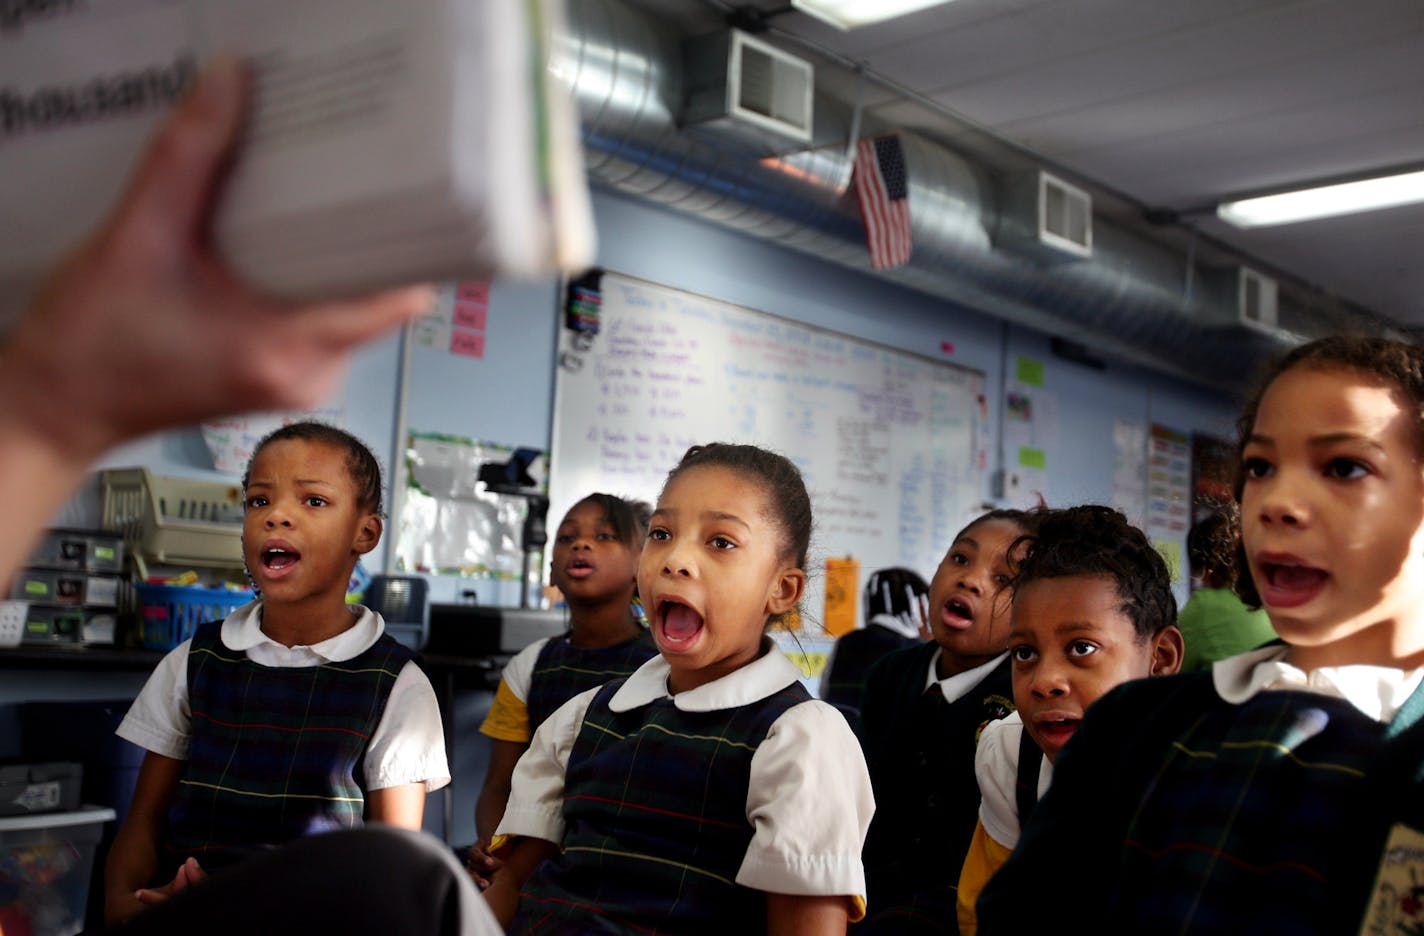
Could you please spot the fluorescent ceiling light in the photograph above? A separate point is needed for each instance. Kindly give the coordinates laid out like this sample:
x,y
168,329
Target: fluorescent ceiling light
x,y
848,14
1325,201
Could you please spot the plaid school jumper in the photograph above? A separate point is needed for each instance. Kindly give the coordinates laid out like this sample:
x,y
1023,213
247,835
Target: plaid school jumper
x,y
276,752
655,812
920,751
563,670
1174,811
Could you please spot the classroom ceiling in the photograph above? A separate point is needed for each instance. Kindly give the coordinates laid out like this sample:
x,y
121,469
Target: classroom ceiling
x,y
1160,108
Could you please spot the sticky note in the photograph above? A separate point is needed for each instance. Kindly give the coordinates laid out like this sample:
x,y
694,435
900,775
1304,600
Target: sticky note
x,y
1029,371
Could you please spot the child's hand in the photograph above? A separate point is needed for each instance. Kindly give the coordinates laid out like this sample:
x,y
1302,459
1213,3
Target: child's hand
x,y
189,873
482,864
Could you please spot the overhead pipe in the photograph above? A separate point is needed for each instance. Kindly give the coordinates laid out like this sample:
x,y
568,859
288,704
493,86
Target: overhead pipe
x,y
1129,300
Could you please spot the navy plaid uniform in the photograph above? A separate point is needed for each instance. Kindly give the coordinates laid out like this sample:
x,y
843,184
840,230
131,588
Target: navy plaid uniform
x,y
655,822
563,670
276,752
1184,813
920,751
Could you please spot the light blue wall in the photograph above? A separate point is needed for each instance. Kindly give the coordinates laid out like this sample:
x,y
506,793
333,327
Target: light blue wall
x,y
507,396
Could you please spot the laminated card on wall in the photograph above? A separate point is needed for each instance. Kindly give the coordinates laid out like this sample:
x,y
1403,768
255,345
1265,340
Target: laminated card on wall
x,y
387,143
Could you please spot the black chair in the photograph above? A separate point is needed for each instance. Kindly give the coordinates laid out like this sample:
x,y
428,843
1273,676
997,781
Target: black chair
x,y
404,602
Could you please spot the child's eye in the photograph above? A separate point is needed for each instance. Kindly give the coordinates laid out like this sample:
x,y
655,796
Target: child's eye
x,y
315,501
958,558
721,542
1023,653
1256,468
256,500
1000,579
1082,648
564,538
659,534
1345,469
605,537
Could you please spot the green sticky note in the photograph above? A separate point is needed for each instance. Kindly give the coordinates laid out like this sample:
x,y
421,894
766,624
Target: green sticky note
x,y
36,588
1033,458
1029,371
104,552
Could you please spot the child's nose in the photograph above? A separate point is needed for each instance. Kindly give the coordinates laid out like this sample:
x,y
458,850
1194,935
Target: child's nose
x,y
1048,682
973,580
1280,501
677,562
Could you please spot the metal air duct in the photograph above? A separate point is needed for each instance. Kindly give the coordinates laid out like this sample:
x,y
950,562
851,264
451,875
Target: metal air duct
x,y
1126,301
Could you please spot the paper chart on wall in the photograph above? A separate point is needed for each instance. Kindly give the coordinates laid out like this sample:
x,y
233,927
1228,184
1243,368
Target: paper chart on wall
x,y
231,441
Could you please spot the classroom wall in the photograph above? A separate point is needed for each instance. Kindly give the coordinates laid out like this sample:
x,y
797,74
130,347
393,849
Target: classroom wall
x,y
507,396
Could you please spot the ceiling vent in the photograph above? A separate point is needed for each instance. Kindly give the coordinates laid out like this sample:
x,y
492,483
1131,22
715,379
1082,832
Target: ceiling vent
x,y
1243,297
1046,217
746,90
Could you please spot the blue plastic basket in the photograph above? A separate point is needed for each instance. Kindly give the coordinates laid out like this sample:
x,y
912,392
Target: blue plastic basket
x,y
172,612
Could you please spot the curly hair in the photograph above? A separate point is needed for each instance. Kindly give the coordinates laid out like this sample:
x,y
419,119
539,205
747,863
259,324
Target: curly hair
x,y
1397,363
1094,540
1212,546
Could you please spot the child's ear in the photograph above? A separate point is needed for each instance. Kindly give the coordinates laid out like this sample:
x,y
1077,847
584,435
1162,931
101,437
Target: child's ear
x,y
1167,650
786,590
368,534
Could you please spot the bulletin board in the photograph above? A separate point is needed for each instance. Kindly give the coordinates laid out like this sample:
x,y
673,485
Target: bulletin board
x,y
891,444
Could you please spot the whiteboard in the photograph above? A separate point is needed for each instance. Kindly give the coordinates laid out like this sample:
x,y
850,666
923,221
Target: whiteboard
x,y
890,443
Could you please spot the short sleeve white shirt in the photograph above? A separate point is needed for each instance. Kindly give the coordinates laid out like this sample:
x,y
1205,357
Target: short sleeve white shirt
x,y
809,799
996,766
408,745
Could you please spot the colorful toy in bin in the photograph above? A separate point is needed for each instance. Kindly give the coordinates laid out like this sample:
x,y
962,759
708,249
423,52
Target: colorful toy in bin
x,y
171,613
46,863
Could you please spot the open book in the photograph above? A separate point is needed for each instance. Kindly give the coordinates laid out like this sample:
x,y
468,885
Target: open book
x,y
390,141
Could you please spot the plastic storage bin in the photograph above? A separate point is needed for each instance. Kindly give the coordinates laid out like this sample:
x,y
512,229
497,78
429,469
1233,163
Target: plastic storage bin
x,y
52,624
39,788
80,550
46,864
71,589
174,520
172,612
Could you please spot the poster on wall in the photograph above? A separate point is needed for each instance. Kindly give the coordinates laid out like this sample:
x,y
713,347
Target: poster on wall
x,y
449,523
230,441
1129,484
1169,494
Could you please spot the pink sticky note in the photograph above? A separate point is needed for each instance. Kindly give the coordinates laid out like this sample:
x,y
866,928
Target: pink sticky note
x,y
468,343
477,292
469,315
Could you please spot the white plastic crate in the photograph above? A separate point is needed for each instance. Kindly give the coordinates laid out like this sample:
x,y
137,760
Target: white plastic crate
x,y
180,521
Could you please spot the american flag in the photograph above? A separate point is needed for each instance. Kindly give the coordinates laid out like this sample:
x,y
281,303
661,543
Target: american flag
x,y
881,187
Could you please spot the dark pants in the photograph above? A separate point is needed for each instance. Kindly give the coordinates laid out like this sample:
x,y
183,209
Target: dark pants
x,y
371,880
